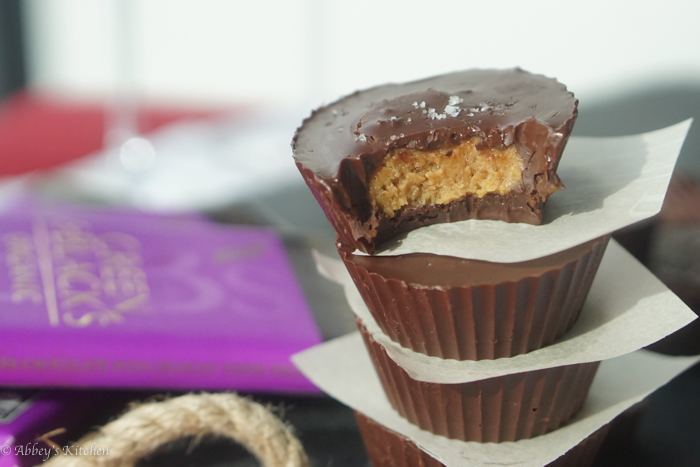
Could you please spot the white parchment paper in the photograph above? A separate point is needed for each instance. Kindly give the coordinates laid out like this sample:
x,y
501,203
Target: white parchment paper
x,y
342,369
627,309
610,183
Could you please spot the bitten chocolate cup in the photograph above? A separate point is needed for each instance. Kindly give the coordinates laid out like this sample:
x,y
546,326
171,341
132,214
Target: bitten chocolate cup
x,y
386,448
461,309
505,408
474,144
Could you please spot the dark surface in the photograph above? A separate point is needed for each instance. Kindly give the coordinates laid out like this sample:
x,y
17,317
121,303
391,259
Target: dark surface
x,y
661,431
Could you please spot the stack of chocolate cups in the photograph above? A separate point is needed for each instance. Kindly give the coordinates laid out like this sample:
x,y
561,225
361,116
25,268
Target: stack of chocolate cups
x,y
481,318
448,307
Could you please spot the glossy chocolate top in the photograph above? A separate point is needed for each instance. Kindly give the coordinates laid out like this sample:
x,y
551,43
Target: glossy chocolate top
x,y
434,112
430,270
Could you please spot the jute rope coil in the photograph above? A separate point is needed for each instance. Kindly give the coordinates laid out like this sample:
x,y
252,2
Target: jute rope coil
x,y
143,429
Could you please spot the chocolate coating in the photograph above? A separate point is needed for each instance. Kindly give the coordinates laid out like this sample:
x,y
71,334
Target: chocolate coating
x,y
472,310
428,270
504,408
387,448
340,146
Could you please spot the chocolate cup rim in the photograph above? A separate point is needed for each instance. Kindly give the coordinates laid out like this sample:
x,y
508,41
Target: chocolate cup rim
x,y
604,240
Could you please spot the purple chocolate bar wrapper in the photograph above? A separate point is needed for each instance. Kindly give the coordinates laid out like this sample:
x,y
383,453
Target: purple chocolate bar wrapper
x,y
116,298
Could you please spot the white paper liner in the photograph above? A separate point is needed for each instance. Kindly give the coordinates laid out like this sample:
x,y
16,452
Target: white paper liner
x,y
610,183
627,308
342,369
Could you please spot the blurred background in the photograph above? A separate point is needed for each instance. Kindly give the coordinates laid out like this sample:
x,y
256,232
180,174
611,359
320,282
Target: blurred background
x,y
190,106
632,68
310,51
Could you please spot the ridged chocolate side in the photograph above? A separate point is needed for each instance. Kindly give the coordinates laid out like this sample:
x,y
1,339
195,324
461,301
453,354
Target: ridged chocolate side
x,y
478,322
346,226
506,408
386,448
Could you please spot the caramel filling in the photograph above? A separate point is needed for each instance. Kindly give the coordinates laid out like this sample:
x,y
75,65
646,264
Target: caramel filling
x,y
412,178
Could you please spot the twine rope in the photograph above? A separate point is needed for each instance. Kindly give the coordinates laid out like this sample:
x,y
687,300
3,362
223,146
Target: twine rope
x,y
144,428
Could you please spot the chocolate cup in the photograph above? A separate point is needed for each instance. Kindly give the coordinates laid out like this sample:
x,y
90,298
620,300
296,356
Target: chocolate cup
x,y
386,448
472,310
505,408
340,147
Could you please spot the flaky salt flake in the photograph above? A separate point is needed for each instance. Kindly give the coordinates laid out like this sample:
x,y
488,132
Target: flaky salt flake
x,y
454,100
433,115
362,138
452,110
483,107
